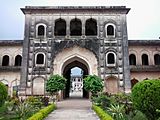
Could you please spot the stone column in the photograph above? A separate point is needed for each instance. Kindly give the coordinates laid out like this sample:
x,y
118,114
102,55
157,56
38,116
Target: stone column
x,y
126,67
68,26
24,68
83,26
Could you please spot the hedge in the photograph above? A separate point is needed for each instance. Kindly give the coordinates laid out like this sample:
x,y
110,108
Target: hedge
x,y
40,115
146,98
101,113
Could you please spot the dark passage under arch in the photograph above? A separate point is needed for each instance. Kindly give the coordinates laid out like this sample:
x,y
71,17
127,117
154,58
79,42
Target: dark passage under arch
x,y
67,75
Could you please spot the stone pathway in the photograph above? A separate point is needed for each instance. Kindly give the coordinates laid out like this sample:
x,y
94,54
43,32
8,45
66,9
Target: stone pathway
x,y
73,109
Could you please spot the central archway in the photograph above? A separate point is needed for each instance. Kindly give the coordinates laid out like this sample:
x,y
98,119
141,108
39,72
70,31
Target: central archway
x,y
68,65
75,57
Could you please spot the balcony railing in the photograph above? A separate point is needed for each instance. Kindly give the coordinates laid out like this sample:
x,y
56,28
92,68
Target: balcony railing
x,y
135,68
10,68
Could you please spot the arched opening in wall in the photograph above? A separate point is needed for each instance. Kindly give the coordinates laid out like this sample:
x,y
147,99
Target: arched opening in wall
x,y
60,27
111,84
110,30
74,71
76,27
133,82
38,86
18,60
5,60
111,58
91,27
145,59
157,59
40,58
132,59
41,30
15,86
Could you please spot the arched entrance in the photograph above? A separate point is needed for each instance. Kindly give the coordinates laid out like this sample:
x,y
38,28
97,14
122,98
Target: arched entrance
x,y
74,62
75,57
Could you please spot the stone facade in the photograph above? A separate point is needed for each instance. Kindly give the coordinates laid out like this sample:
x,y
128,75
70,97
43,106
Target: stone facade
x,y
92,38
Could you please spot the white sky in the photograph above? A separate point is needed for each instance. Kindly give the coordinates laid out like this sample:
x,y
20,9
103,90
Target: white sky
x,y
143,19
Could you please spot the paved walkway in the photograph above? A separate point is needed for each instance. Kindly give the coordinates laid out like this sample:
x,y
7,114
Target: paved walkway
x,y
73,109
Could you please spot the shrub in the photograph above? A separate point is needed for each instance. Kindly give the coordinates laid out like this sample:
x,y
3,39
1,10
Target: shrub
x,y
101,113
43,113
146,98
3,93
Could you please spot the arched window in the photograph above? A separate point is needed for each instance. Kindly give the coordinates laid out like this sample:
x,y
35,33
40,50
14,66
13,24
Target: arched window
x,y
60,27
157,59
110,59
132,59
40,58
41,30
18,60
5,60
133,82
91,27
75,27
110,30
145,59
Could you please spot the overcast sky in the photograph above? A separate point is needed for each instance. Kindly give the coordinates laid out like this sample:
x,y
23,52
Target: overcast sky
x,y
143,19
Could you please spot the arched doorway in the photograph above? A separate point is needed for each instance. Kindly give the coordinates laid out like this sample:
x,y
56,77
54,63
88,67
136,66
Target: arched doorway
x,y
75,57
67,74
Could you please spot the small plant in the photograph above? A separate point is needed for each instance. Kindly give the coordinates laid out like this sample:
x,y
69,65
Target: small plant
x,y
35,102
9,105
24,110
102,100
116,111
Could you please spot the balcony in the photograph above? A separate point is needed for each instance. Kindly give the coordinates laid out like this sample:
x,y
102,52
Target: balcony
x,y
144,68
10,68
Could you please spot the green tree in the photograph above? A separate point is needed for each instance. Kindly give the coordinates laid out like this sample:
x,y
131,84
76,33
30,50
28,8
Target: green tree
x,y
146,98
93,84
3,93
55,83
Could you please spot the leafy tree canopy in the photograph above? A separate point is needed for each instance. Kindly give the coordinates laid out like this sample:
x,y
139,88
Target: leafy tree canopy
x,y
93,84
55,83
